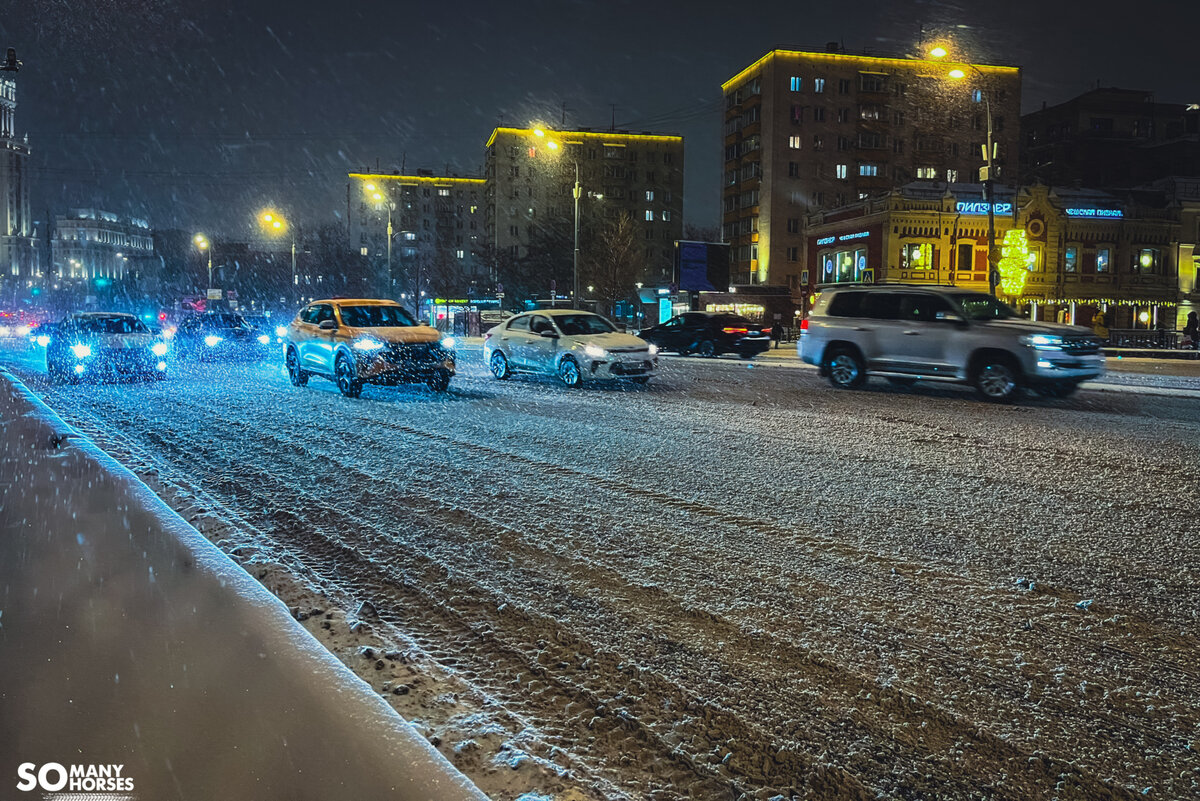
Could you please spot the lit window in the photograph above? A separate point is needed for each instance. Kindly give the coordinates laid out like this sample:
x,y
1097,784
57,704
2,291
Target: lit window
x,y
927,172
842,170
409,235
818,84
916,256
460,253
666,216
977,96
649,215
796,82
649,194
951,176
1071,259
794,142
364,250
1102,259
443,193
867,169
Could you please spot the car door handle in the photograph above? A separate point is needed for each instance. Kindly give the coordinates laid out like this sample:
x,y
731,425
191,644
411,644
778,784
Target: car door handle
x,y
862,328
912,333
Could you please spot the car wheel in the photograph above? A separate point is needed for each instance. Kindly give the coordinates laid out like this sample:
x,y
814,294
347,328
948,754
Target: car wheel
x,y
997,380
1057,389
499,366
898,381
345,375
707,349
568,371
439,381
846,369
297,376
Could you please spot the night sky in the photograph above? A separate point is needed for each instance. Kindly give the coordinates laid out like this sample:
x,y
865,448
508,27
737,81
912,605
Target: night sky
x,y
197,114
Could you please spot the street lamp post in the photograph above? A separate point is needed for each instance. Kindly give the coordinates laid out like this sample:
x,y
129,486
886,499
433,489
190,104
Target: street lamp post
x,y
377,195
576,192
204,245
989,171
273,222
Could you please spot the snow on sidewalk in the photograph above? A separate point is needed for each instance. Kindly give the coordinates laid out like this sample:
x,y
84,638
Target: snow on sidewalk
x,y
127,639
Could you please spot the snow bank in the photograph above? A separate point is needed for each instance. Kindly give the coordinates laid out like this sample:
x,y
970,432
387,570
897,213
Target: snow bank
x,y
126,638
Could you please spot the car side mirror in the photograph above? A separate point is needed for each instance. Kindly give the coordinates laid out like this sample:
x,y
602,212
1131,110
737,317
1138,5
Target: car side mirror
x,y
950,317
548,334
327,325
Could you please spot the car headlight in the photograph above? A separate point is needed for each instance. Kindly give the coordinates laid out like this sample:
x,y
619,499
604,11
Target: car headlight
x,y
595,351
43,340
367,345
1042,341
212,340
81,351
23,330
264,339
653,349
159,348
281,330
449,342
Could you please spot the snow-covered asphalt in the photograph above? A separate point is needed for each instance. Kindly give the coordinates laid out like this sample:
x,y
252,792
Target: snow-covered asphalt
x,y
737,581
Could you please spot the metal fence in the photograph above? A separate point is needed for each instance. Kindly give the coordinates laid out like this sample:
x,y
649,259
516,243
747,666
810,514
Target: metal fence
x,y
1141,338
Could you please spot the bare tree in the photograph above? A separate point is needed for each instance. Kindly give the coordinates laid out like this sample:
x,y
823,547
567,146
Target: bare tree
x,y
701,233
616,262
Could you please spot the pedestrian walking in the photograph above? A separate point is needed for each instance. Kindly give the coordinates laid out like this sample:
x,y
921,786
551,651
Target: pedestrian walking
x,y
777,332
1100,325
1191,332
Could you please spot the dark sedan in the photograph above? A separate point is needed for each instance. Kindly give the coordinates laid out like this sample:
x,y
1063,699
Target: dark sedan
x,y
220,335
710,334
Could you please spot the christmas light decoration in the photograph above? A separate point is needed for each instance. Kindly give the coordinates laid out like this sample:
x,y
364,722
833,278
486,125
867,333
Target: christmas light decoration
x,y
1015,260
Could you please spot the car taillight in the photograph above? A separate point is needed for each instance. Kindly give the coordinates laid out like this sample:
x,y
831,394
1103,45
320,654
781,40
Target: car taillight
x,y
803,325
735,330
487,334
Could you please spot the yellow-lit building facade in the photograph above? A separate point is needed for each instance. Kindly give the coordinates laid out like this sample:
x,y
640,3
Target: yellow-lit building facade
x,y
531,175
1133,256
805,131
437,231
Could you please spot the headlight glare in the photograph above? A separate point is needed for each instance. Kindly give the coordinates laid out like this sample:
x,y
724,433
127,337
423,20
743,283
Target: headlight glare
x,y
159,348
264,339
368,345
1043,341
653,349
595,351
212,340
281,330
449,342
81,351
43,340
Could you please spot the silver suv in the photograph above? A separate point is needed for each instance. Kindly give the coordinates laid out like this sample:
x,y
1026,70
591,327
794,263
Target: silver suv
x,y
918,333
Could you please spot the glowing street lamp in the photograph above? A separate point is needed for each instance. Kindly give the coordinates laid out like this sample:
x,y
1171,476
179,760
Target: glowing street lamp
x,y
958,72
204,245
274,223
575,192
375,193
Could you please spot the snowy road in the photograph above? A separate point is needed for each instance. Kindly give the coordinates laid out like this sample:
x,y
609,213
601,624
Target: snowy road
x,y
736,580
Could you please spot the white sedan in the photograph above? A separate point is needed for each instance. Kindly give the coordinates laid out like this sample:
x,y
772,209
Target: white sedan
x,y
576,346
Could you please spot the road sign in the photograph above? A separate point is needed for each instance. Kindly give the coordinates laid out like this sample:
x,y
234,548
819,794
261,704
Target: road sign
x,y
868,276
553,286
214,294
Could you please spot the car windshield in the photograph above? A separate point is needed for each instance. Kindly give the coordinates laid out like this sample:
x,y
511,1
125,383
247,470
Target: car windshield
x,y
574,325
376,317
978,306
111,325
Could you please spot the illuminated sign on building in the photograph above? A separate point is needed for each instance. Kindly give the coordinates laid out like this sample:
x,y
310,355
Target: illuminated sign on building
x,y
1109,213
981,207
829,240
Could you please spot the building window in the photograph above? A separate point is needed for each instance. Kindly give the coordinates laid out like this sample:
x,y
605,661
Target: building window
x,y
793,169
818,85
793,254
818,114
1103,259
916,256
869,112
977,95
649,215
927,172
870,170
649,194
797,114
843,143
794,142
460,253
793,225
843,86
951,176
1071,259
842,170
897,145
1148,261
843,115
796,83
666,215
818,143
363,251
443,193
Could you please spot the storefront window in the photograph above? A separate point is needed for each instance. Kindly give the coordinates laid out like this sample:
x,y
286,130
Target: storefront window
x,y
1071,260
917,256
1103,257
843,266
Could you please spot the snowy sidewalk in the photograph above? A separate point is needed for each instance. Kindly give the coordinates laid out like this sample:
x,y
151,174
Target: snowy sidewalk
x,y
128,642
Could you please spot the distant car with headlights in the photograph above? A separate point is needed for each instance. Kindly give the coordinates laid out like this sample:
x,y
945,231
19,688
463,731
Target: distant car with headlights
x,y
576,346
104,345
276,329
710,334
363,341
220,336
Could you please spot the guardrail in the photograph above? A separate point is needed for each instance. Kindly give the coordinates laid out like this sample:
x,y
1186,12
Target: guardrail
x,y
1142,338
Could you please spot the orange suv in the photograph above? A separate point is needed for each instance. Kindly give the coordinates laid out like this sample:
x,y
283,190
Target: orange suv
x,y
357,342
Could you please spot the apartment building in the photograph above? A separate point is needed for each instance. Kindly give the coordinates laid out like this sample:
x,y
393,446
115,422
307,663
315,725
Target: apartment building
x,y
815,130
